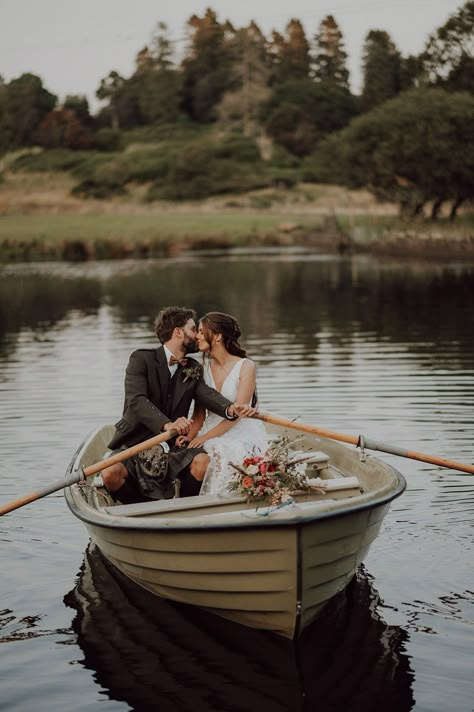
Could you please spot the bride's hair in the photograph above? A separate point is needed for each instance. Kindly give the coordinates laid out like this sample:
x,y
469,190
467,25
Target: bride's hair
x,y
228,326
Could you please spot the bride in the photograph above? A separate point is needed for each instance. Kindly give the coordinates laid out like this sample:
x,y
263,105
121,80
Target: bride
x,y
229,371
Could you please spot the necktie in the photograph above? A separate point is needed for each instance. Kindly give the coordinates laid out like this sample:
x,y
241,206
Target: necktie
x,y
177,361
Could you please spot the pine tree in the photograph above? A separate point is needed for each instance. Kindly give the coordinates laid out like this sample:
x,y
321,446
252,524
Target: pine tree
x,y
290,53
330,57
381,65
207,66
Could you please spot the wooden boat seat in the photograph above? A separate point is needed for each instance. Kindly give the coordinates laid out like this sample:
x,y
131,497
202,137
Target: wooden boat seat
x,y
339,488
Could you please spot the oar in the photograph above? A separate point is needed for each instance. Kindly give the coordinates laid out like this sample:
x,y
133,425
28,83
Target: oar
x,y
363,442
79,475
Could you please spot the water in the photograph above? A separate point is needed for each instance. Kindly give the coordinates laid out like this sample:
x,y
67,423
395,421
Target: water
x,y
356,345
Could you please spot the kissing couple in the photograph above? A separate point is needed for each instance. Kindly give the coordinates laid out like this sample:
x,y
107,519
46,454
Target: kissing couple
x,y
162,385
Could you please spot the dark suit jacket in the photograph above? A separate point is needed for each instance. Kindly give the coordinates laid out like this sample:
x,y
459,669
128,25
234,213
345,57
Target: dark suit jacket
x,y
150,401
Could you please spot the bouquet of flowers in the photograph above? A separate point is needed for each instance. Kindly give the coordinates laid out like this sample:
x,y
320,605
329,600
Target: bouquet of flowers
x,y
273,476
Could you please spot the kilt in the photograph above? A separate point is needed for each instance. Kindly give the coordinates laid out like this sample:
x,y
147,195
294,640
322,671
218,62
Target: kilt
x,y
154,474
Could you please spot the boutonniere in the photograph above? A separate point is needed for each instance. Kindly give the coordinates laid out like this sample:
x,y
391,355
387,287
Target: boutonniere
x,y
192,373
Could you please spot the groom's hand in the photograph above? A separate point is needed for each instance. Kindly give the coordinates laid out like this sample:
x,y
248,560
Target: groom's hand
x,y
182,425
242,410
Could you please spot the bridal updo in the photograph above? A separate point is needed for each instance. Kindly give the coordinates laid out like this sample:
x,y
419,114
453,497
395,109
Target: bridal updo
x,y
226,325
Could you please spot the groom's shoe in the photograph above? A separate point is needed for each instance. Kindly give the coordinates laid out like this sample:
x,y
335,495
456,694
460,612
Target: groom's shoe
x,y
190,486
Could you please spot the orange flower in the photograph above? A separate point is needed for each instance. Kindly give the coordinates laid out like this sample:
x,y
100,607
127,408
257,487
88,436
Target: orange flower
x,y
247,482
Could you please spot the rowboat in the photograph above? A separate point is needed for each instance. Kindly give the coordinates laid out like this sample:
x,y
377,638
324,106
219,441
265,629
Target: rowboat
x,y
273,568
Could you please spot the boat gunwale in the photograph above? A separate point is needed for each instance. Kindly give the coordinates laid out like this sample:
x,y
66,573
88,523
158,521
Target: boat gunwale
x,y
148,523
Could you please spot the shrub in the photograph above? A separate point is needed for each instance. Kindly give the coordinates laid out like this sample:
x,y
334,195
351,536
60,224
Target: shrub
x,y
239,148
60,159
144,167
107,139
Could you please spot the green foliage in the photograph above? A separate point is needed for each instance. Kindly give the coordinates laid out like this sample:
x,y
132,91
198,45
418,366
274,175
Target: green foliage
x,y
326,164
23,104
292,128
281,158
381,69
239,148
416,148
98,190
331,59
201,170
108,139
80,108
39,161
448,57
87,168
146,166
329,106
290,55
207,69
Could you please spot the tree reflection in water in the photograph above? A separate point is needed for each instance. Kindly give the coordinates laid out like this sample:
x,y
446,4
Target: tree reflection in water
x,y
156,654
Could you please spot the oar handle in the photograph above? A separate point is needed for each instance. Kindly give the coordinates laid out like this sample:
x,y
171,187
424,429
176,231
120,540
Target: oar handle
x,y
87,472
367,443
129,452
267,418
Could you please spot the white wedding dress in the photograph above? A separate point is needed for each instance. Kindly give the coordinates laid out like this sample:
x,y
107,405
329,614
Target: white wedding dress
x,y
247,437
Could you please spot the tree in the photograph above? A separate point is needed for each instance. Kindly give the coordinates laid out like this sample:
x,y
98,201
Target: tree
x,y
80,108
448,56
5,118
241,107
206,69
416,148
330,60
411,69
109,90
290,53
62,129
381,69
26,102
157,83
328,106
292,128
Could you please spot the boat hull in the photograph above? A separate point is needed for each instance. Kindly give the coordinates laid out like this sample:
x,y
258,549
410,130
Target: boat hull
x,y
274,573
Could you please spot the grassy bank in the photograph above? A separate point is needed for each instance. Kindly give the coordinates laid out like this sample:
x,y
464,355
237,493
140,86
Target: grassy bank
x,y
81,237
41,220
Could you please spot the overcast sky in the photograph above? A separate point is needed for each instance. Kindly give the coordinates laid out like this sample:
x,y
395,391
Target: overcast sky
x,y
73,44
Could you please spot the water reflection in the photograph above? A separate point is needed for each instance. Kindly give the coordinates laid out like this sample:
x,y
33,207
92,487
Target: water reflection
x,y
40,301
153,653
305,296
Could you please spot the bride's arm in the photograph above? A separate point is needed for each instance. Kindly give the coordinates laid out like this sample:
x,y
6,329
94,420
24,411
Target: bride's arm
x,y
245,391
197,418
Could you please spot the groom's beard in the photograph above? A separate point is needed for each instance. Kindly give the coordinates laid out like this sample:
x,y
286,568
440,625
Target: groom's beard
x,y
190,346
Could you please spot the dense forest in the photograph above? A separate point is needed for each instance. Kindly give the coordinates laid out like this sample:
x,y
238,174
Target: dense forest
x,y
241,111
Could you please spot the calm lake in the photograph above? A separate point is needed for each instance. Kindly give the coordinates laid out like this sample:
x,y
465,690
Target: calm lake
x,y
352,344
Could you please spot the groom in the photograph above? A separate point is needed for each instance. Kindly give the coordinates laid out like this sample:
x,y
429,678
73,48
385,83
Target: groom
x,y
160,385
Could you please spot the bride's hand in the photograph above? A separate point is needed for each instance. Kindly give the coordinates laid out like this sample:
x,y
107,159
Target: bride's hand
x,y
197,441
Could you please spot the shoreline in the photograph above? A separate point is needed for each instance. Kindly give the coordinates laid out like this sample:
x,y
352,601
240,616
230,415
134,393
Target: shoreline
x,y
41,221
409,245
